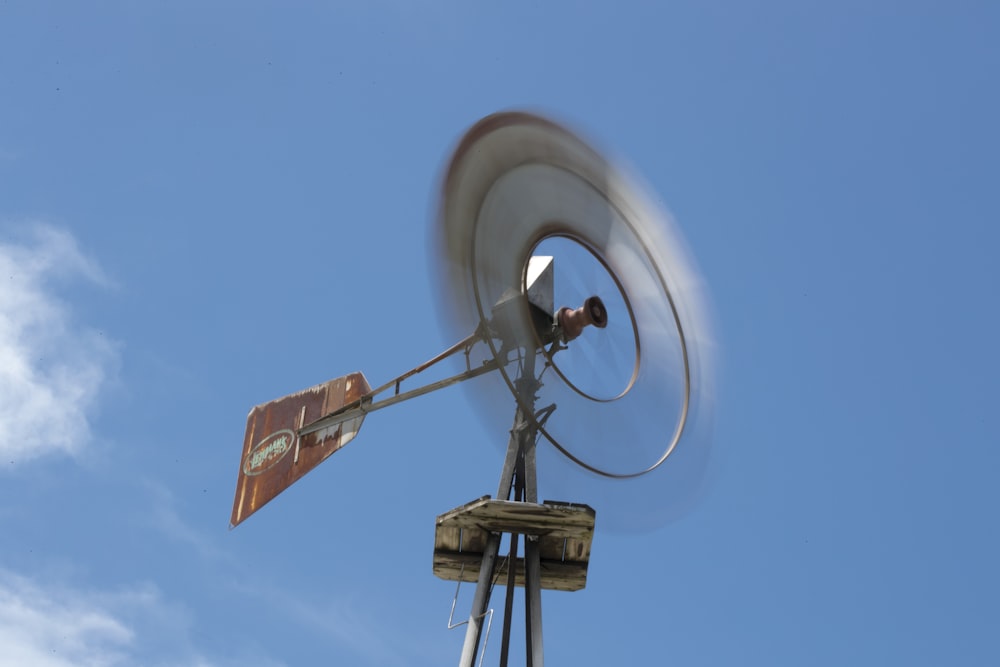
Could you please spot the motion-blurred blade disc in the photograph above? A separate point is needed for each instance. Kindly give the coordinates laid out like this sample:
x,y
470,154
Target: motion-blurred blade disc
x,y
519,185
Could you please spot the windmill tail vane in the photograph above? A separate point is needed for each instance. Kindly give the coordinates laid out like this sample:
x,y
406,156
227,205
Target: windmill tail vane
x,y
287,437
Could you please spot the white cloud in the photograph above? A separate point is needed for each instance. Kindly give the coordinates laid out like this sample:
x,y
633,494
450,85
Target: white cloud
x,y
165,516
59,628
52,625
35,630
51,367
351,622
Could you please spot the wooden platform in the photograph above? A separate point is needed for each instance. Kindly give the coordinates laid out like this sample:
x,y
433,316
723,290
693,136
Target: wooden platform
x,y
564,532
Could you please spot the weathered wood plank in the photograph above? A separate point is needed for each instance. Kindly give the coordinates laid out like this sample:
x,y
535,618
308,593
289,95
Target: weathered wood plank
x,y
507,516
473,539
562,576
551,548
448,538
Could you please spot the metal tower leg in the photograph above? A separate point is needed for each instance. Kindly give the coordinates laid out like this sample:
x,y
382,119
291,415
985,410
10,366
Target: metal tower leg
x,y
480,602
532,569
533,603
481,598
508,610
520,459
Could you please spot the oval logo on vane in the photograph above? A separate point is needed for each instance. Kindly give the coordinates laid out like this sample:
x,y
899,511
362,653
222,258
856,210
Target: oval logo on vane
x,y
266,454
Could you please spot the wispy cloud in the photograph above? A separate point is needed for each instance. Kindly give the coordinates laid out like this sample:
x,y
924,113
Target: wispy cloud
x,y
53,625
164,516
351,622
37,630
51,367
59,627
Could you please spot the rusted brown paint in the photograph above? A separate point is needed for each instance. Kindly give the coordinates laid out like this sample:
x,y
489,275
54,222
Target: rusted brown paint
x,y
274,457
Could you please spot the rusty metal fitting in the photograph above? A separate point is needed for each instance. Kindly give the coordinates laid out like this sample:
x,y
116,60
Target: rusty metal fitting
x,y
572,322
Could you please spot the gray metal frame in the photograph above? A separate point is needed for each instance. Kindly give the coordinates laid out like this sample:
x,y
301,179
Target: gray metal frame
x,y
518,477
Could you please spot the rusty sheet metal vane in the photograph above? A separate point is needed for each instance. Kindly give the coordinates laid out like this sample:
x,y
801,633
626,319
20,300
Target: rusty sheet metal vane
x,y
274,454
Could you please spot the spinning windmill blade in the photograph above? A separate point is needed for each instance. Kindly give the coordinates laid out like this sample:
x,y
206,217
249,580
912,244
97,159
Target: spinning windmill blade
x,y
565,284
614,402
520,186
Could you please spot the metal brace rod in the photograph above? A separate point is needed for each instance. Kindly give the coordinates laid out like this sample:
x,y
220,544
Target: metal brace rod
x,y
466,342
488,614
366,403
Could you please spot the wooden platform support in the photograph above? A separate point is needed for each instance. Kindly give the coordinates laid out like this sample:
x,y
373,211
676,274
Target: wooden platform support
x,y
564,531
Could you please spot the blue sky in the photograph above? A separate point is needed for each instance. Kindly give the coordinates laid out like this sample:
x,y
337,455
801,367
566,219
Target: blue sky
x,y
204,206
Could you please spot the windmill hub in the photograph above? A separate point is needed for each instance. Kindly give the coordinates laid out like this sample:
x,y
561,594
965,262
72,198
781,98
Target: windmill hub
x,y
573,322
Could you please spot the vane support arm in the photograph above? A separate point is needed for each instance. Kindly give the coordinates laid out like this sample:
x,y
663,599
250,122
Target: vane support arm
x,y
368,402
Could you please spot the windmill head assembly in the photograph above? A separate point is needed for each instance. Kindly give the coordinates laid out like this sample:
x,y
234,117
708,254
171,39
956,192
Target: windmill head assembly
x,y
563,282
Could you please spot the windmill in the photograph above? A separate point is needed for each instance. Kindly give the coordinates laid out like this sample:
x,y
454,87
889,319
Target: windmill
x,y
530,217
